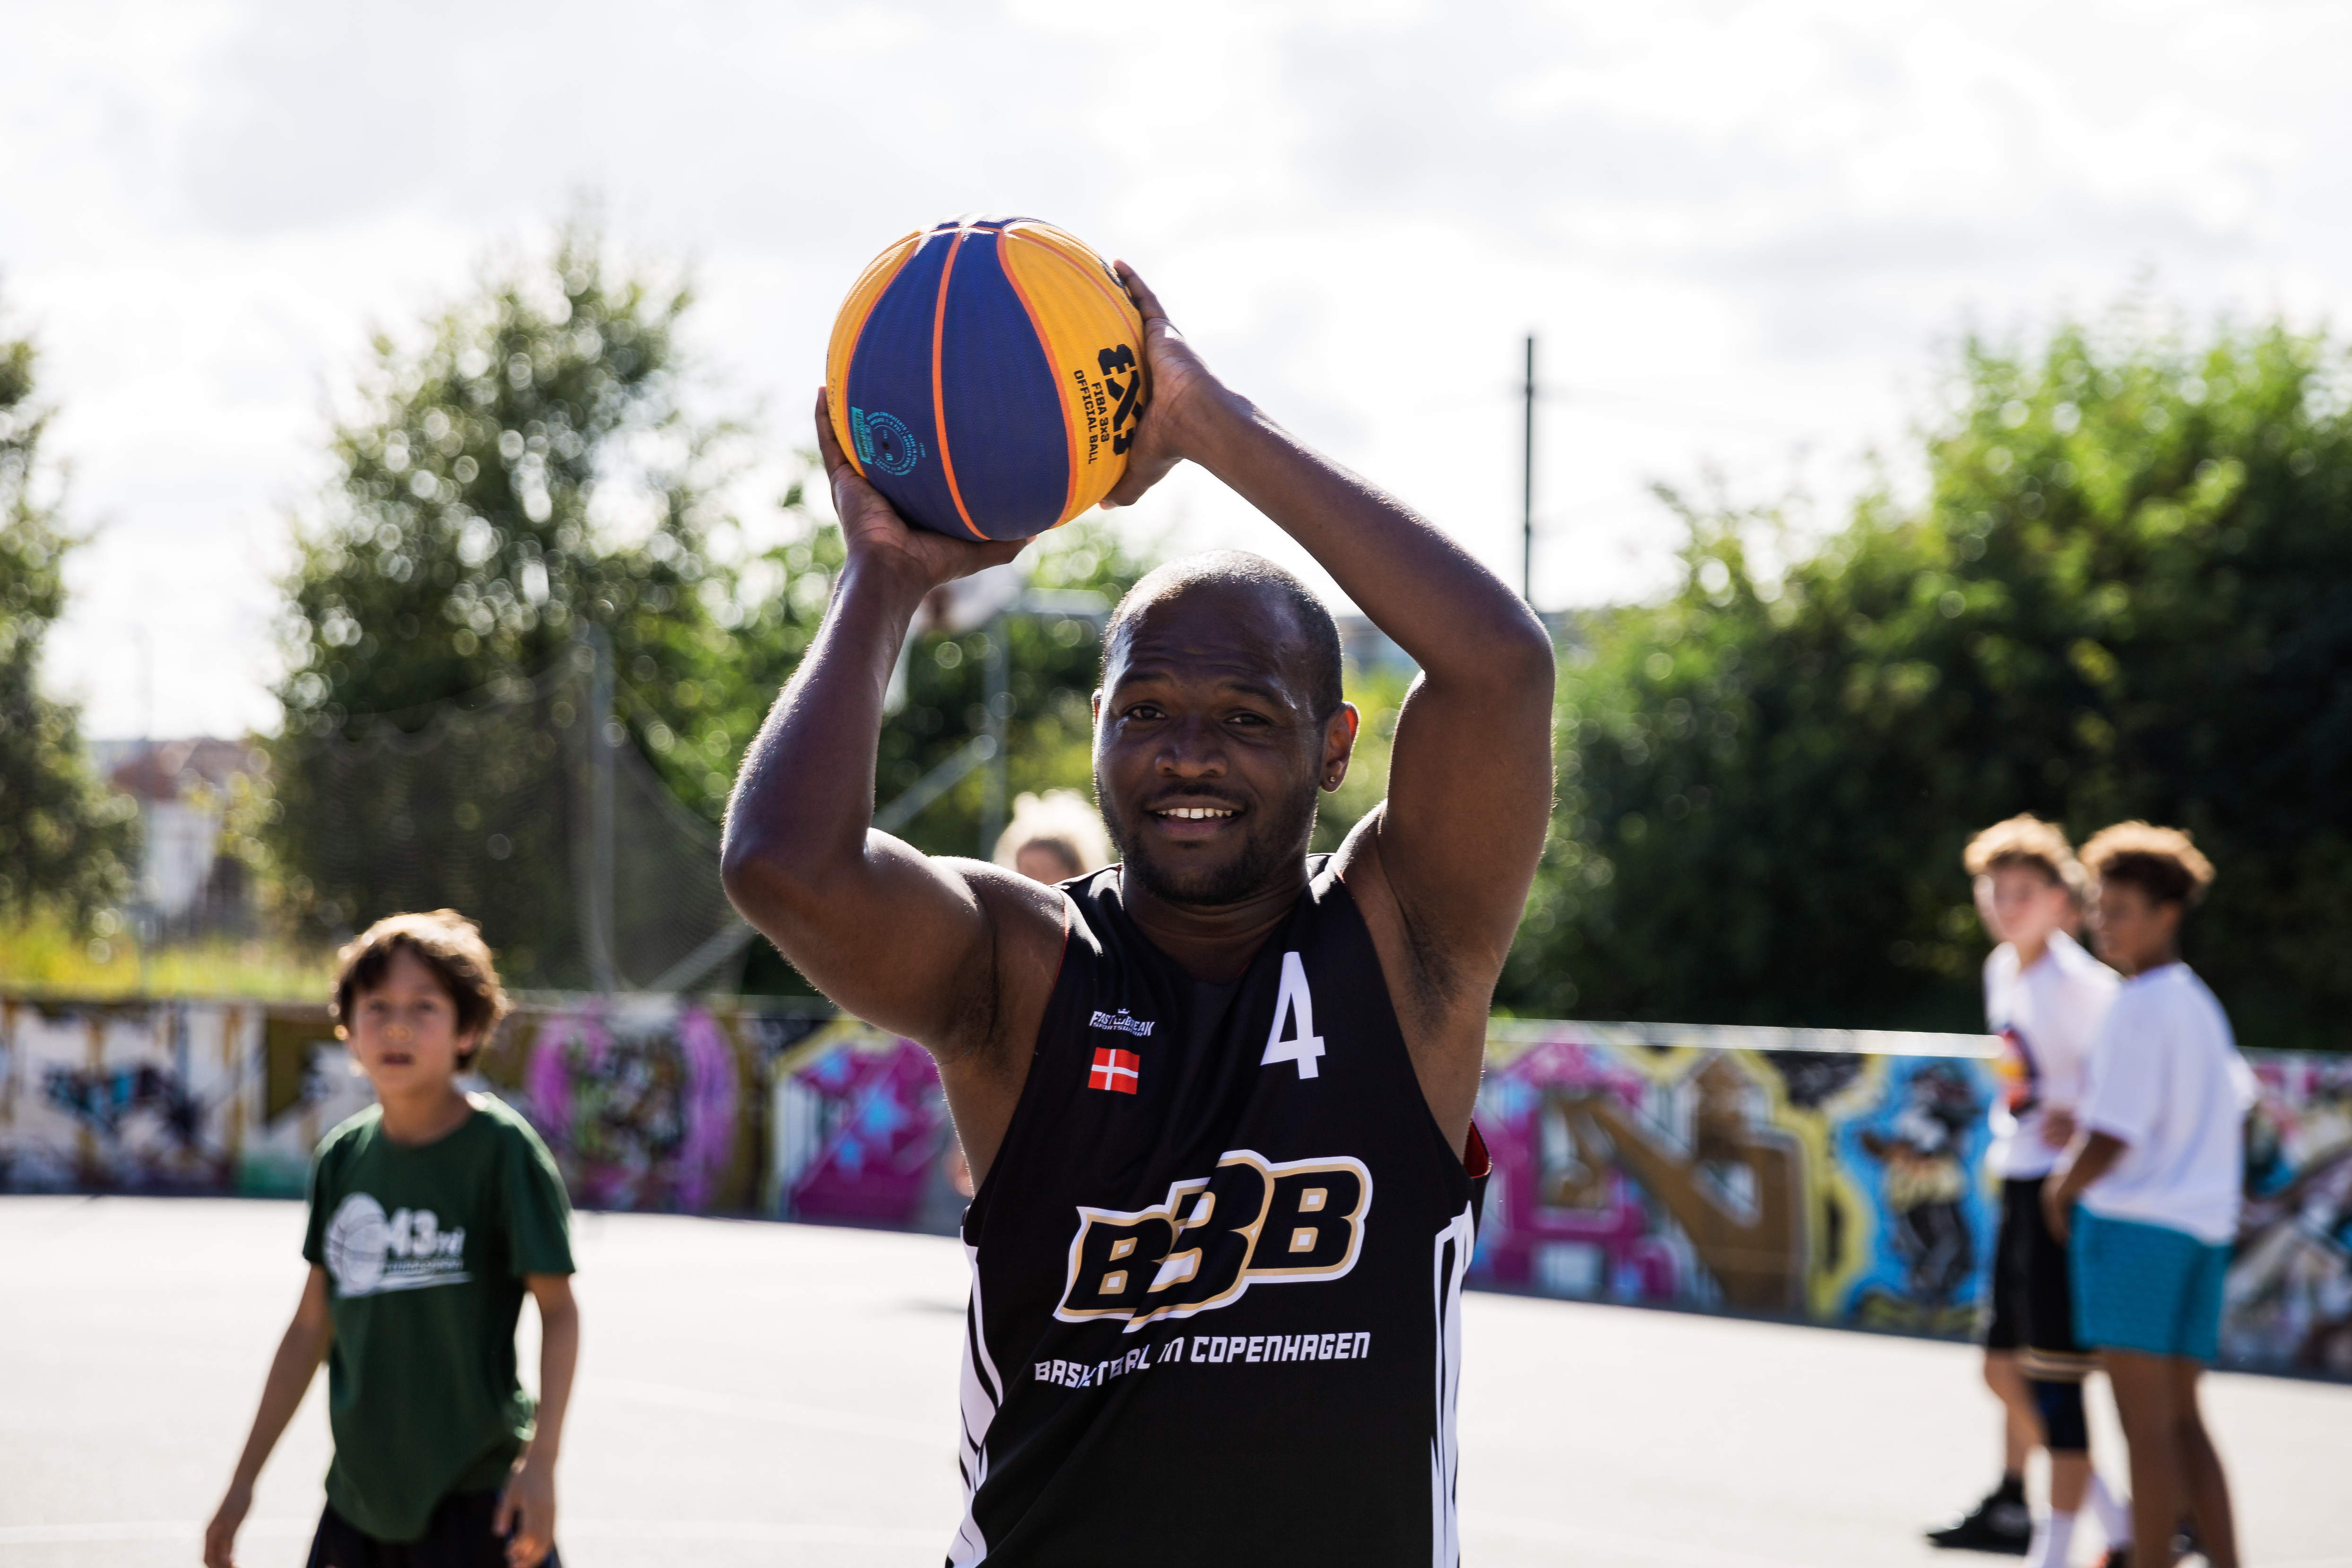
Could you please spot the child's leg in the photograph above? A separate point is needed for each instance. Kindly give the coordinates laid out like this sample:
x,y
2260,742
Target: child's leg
x,y
2069,1480
2020,1429
2145,1398
2200,1463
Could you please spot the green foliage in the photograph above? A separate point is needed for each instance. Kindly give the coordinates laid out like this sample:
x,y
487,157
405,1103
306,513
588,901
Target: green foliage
x,y
65,842
1379,696
533,471
1050,730
2127,593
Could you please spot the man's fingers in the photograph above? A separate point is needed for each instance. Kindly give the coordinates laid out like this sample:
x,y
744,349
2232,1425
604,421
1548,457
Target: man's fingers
x,y
1138,478
1138,290
503,1520
828,446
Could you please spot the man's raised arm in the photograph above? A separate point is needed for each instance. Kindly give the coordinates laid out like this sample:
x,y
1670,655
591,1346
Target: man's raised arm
x,y
1470,774
906,942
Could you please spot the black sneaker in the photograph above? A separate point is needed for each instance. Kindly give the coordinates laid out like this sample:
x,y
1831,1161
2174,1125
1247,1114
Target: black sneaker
x,y
1999,1524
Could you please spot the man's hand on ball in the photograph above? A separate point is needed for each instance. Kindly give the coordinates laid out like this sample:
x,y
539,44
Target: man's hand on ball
x,y
872,529
1180,390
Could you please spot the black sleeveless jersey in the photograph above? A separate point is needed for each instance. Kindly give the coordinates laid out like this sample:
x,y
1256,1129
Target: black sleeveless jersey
x,y
1216,1266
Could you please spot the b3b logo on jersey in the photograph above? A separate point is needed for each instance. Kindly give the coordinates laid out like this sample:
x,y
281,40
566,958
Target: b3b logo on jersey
x,y
1253,1221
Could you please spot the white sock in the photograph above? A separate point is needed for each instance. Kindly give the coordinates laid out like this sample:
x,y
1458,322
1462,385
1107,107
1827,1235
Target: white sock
x,y
2053,1532
2114,1513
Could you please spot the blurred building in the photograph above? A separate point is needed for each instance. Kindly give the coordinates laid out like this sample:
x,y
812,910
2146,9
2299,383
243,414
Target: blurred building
x,y
183,789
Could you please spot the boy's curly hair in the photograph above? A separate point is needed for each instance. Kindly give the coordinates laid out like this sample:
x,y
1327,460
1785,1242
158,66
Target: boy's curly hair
x,y
2023,840
445,942
2162,862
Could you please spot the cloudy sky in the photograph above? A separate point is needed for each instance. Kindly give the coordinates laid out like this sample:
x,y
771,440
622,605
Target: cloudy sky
x,y
1744,233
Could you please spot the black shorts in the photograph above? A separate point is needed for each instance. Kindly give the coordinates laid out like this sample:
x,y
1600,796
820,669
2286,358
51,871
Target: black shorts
x,y
458,1537
2032,1310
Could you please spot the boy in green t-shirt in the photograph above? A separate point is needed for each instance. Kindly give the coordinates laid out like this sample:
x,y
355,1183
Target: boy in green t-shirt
x,y
430,1215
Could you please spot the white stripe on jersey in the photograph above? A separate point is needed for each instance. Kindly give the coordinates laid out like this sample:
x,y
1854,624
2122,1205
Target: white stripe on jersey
x,y
1450,1262
982,1392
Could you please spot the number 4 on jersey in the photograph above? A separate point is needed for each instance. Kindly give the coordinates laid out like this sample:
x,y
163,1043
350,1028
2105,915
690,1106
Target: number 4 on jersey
x,y
1298,1005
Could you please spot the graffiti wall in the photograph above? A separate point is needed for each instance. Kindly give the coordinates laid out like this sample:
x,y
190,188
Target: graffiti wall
x,y
647,1104
1834,1177
2288,1298
1758,1171
862,1134
159,1096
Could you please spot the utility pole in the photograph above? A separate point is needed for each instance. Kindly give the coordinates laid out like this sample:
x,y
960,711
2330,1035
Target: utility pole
x,y
1528,484
597,905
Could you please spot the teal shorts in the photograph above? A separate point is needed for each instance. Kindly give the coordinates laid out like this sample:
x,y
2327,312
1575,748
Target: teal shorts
x,y
2146,1288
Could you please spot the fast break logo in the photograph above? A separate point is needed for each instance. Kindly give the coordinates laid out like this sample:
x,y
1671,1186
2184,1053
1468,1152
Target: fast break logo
x,y
1253,1221
369,1253
884,441
1121,1021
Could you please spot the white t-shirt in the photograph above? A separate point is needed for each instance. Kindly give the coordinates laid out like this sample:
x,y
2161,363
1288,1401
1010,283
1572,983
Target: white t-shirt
x,y
2048,1018
2167,1083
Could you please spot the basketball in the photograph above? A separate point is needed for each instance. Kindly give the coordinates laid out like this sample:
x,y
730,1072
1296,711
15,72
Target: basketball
x,y
986,376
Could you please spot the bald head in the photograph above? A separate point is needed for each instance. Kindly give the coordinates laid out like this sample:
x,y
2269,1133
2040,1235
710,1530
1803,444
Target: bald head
x,y
1315,635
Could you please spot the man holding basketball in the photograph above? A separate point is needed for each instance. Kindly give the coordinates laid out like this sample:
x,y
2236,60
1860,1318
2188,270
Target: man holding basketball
x,y
1218,1097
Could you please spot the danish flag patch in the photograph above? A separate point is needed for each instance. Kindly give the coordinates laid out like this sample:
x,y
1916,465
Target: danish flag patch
x,y
1117,1071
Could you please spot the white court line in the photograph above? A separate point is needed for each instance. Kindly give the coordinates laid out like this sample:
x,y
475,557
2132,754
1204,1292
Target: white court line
x,y
939,1434
754,1530
144,1530
1636,1546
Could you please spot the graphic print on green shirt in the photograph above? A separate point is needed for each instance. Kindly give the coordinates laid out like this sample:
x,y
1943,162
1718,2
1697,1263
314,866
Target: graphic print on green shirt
x,y
426,1249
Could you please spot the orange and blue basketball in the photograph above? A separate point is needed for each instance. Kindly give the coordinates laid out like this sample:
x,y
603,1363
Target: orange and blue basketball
x,y
986,376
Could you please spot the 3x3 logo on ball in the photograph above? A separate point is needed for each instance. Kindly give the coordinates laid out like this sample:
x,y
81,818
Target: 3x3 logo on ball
x,y
1253,1221
1113,407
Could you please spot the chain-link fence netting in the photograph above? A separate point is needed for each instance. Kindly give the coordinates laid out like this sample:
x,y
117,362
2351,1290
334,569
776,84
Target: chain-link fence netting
x,y
527,806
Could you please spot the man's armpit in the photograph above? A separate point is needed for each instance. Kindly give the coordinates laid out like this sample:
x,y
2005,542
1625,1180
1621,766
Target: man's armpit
x,y
1008,977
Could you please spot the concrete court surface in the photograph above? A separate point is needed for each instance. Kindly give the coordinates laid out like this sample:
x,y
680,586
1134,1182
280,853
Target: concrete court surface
x,y
759,1393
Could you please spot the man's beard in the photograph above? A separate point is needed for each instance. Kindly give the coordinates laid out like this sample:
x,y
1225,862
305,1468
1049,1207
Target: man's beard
x,y
1272,843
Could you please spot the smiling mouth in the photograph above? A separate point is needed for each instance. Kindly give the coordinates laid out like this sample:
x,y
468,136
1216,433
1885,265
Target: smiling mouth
x,y
1195,813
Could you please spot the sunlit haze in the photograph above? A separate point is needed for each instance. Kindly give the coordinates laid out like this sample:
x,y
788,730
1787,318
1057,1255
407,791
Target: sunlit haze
x,y
1745,235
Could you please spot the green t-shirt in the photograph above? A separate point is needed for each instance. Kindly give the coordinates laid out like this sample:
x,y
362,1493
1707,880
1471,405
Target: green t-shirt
x,y
425,1249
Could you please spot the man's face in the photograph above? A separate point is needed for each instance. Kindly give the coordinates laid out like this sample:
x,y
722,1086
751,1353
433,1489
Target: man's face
x,y
1207,749
404,1030
2133,931
2020,905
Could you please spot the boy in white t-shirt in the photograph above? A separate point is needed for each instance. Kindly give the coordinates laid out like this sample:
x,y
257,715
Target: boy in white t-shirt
x,y
2151,1196
2045,997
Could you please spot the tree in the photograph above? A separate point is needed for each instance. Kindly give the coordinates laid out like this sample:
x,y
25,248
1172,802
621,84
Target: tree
x,y
528,479
522,497
65,842
2128,592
